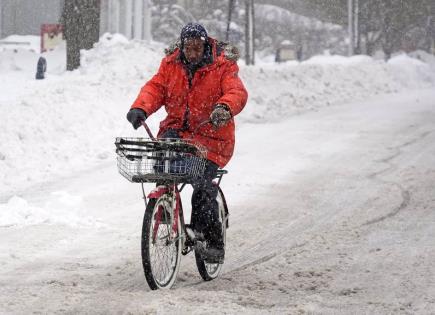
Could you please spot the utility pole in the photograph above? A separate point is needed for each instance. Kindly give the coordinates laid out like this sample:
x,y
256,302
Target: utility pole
x,y
1,20
249,33
357,40
350,25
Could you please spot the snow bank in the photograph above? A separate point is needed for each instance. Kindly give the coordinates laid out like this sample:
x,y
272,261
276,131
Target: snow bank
x,y
60,208
278,91
68,122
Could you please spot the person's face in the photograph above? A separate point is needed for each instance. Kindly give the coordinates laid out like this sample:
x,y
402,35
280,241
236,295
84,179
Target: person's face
x,y
194,50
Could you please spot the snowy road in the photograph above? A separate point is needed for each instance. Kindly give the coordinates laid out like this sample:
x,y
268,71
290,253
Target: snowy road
x,y
331,212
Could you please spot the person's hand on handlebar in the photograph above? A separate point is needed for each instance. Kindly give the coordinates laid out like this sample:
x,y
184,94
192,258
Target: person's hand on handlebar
x,y
136,116
220,115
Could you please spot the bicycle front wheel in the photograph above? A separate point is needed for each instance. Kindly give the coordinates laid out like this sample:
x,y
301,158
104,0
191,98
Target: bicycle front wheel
x,y
161,243
210,271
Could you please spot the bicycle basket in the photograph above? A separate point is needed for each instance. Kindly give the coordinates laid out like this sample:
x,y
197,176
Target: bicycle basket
x,y
163,160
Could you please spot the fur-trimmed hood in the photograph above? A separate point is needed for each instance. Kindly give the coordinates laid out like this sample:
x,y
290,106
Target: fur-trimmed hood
x,y
231,52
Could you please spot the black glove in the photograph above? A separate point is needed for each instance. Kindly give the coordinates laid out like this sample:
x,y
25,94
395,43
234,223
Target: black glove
x,y
136,116
220,115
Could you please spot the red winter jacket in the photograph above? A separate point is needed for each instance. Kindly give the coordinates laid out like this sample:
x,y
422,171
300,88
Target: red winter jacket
x,y
213,83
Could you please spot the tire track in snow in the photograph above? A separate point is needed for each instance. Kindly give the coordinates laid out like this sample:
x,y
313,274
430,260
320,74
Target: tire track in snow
x,y
266,258
405,194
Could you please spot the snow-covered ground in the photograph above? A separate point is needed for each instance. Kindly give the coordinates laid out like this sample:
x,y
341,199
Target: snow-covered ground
x,y
330,189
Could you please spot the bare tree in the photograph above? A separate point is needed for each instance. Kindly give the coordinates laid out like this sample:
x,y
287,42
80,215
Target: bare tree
x,y
370,25
381,23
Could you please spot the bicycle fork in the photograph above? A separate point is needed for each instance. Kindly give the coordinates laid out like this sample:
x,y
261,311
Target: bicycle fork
x,y
189,239
174,200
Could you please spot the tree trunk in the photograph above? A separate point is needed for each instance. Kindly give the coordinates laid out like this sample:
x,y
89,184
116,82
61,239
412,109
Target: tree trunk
x,y
81,22
90,13
350,26
357,22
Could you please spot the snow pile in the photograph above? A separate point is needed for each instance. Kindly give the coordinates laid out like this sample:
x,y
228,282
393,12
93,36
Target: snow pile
x,y
60,208
411,72
423,56
68,122
278,91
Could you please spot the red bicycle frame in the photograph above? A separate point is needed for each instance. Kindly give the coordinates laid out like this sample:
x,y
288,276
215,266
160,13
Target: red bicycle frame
x,y
157,193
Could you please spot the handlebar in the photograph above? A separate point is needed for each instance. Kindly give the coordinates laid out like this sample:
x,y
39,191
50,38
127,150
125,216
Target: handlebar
x,y
150,134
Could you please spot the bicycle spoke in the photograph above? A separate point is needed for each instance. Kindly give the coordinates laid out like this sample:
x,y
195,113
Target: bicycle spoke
x,y
164,250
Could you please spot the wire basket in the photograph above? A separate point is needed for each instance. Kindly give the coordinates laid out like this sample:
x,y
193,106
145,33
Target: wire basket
x,y
143,160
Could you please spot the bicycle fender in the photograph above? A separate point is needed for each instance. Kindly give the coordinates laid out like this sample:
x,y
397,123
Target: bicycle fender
x,y
157,192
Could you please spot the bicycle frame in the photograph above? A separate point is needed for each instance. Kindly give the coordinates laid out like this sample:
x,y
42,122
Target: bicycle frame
x,y
172,189
174,192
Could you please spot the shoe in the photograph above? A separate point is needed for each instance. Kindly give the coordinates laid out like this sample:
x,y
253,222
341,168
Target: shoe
x,y
215,256
215,253
211,255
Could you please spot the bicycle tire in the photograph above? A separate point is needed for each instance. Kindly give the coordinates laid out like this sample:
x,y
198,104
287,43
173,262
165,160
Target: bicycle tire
x,y
209,271
160,274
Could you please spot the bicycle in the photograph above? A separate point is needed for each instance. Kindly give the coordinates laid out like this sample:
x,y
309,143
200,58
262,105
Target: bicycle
x,y
172,164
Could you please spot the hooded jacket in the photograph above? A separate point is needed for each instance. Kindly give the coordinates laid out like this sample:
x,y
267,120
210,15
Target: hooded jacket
x,y
190,101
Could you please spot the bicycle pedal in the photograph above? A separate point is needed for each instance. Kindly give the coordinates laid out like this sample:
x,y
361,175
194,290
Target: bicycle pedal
x,y
186,250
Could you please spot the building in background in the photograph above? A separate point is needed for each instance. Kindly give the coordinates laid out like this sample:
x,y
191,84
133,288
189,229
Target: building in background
x,y
131,18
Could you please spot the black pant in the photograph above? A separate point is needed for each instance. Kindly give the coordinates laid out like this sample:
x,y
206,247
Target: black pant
x,y
205,210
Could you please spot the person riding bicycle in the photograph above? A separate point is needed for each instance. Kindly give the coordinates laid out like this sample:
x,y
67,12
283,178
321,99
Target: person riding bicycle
x,y
198,80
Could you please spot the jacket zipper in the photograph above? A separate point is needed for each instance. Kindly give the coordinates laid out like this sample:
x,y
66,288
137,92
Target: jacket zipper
x,y
185,124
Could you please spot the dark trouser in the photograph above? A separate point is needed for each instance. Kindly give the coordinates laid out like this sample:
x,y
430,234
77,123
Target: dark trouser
x,y
205,215
205,210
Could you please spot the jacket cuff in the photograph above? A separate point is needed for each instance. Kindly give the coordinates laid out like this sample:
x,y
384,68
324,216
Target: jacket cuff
x,y
224,106
146,115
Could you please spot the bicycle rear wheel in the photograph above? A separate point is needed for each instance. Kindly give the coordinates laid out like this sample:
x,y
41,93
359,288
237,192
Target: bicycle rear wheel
x,y
210,271
161,243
